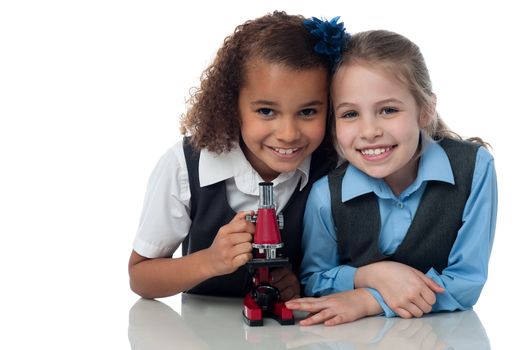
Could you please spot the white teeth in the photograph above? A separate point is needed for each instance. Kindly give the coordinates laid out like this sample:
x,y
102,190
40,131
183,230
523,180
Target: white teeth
x,y
374,152
285,151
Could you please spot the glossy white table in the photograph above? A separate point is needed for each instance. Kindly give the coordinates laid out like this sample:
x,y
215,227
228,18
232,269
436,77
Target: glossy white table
x,y
216,323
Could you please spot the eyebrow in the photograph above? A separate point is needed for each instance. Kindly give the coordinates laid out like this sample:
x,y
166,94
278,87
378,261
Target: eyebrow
x,y
343,104
271,103
389,100
350,104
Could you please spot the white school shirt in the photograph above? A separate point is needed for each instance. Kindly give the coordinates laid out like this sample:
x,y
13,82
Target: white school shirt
x,y
165,219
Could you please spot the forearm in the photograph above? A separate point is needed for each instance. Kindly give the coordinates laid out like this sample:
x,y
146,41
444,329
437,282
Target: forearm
x,y
163,277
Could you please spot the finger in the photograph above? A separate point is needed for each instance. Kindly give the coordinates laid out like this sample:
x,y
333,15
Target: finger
x,y
239,227
316,318
408,310
240,238
233,228
403,313
240,249
414,310
239,223
241,259
305,304
435,287
307,322
422,305
428,296
336,320
242,215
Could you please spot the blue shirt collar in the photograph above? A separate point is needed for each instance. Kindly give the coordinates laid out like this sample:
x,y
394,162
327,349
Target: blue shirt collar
x,y
433,166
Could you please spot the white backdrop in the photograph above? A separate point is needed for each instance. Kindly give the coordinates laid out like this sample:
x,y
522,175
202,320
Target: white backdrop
x,y
90,97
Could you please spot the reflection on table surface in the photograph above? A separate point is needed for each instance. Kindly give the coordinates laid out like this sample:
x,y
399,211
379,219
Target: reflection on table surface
x,y
216,323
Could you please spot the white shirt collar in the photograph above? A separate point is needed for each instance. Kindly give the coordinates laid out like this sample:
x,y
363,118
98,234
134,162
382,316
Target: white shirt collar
x,y
215,167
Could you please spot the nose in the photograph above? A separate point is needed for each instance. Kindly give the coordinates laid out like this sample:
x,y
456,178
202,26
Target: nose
x,y
287,130
370,128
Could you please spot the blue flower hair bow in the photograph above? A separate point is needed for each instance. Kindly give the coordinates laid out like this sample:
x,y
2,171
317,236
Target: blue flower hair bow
x,y
331,35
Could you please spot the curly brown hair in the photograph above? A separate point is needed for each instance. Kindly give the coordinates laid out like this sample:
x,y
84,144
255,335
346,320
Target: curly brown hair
x,y
213,120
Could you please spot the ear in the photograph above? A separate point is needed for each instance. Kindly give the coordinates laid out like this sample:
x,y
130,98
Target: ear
x,y
427,114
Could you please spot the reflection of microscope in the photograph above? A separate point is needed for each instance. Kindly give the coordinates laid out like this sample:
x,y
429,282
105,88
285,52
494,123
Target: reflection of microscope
x,y
264,298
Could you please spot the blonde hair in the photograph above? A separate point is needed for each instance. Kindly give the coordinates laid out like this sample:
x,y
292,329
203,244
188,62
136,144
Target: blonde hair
x,y
400,56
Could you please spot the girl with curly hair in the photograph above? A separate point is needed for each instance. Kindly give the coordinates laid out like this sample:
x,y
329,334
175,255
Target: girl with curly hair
x,y
260,114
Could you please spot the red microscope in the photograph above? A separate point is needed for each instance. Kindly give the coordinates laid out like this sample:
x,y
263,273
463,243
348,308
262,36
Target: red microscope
x,y
264,299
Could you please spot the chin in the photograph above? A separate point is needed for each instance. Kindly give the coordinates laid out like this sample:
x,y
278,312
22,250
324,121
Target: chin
x,y
281,168
377,174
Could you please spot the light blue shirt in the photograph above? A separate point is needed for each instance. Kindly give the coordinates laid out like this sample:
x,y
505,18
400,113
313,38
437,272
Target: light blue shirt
x,y
467,268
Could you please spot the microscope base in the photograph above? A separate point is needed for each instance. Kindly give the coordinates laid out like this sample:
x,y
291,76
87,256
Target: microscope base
x,y
253,314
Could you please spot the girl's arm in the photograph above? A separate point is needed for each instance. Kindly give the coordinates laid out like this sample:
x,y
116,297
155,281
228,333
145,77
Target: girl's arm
x,y
467,268
321,273
164,223
162,277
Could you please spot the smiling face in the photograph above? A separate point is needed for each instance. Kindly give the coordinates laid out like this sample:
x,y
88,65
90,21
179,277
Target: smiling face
x,y
283,114
377,124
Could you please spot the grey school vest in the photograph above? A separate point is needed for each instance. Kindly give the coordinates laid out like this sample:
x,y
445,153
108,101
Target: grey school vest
x,y
434,228
210,210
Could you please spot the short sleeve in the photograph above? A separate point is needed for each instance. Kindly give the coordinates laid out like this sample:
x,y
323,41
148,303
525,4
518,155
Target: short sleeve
x,y
165,218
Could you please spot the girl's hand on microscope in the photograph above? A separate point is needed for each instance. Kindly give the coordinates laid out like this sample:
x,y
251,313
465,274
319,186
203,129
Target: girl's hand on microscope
x,y
286,282
232,246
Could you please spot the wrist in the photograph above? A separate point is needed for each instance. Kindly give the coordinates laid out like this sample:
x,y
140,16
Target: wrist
x,y
207,268
370,304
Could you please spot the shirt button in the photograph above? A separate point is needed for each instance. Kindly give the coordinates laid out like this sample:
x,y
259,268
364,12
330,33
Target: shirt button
x,y
400,205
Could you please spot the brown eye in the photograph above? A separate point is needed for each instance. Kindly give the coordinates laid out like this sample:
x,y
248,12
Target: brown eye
x,y
267,112
307,112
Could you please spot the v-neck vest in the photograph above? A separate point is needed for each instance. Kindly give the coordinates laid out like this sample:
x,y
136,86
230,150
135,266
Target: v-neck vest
x,y
433,230
210,211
